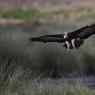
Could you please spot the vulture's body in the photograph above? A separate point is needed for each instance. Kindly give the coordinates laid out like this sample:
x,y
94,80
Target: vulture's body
x,y
71,40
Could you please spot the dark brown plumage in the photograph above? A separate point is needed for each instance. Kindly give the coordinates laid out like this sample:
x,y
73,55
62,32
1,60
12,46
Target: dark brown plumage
x,y
71,40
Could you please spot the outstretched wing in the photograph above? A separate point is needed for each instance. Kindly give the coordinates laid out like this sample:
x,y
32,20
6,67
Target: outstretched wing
x,y
84,32
49,38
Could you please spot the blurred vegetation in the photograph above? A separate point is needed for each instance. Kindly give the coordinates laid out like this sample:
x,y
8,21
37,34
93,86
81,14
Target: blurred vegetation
x,y
20,14
43,87
21,61
36,14
44,60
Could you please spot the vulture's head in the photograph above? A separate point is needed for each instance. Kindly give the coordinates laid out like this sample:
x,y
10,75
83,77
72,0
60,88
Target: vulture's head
x,y
65,35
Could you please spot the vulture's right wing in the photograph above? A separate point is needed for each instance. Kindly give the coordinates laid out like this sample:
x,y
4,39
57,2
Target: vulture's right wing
x,y
49,38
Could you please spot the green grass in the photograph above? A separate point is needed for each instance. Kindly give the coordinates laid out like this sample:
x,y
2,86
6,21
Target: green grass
x,y
42,87
17,51
18,58
36,14
60,89
20,14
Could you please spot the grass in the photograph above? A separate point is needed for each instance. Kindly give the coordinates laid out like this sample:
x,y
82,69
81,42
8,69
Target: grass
x,y
36,14
43,87
16,51
20,14
60,89
20,63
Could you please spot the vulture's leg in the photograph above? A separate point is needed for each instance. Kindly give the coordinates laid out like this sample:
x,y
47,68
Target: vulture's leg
x,y
73,43
68,45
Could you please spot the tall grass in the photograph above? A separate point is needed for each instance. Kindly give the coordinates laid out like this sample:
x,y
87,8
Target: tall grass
x,y
43,87
36,14
20,14
21,62
47,60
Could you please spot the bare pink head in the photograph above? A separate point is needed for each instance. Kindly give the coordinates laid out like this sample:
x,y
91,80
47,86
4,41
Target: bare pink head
x,y
65,34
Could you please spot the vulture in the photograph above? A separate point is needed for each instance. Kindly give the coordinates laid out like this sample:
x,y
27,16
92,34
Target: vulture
x,y
70,40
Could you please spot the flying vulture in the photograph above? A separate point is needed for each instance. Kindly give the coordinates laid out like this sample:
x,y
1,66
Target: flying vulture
x,y
71,40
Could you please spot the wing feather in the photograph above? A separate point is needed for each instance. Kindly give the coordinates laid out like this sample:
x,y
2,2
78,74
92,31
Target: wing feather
x,y
49,38
84,32
87,32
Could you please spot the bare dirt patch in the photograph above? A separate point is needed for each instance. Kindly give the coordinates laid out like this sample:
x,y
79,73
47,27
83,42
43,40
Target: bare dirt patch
x,y
12,21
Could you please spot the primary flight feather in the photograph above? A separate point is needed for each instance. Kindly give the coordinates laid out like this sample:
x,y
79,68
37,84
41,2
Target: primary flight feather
x,y
71,40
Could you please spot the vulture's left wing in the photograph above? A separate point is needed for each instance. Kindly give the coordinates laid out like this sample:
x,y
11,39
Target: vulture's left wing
x,y
49,38
84,32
